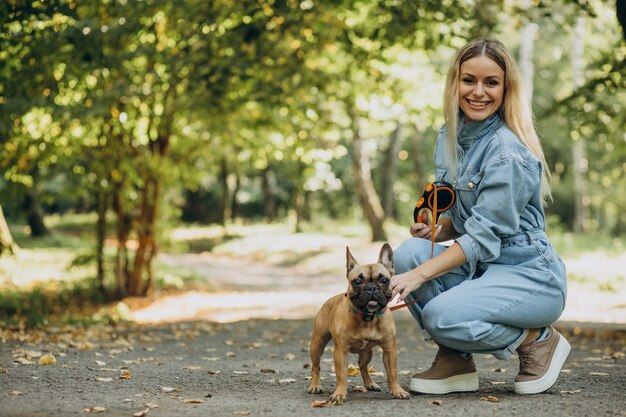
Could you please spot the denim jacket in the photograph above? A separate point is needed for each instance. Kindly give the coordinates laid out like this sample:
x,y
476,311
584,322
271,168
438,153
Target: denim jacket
x,y
498,188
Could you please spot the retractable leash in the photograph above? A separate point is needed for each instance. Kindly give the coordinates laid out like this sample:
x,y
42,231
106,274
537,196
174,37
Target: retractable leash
x,y
437,198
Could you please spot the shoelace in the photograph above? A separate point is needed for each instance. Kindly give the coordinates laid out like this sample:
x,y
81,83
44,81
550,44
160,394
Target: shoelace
x,y
527,357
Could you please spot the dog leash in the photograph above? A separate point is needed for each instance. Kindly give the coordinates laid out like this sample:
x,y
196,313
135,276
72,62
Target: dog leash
x,y
430,201
399,306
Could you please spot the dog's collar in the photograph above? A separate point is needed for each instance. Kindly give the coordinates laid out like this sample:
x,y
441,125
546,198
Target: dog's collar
x,y
364,315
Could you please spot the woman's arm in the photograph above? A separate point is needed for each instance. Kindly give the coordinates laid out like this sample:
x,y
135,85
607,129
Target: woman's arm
x,y
441,264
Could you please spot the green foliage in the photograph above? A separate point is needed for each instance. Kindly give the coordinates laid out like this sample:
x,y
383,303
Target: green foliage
x,y
250,107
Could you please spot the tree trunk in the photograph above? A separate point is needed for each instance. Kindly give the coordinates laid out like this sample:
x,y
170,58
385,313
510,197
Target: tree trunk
x,y
225,206
34,214
370,203
146,240
419,163
269,203
299,198
101,231
390,172
527,44
122,233
7,244
579,149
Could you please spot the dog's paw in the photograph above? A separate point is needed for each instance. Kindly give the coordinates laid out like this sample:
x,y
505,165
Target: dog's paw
x,y
373,387
314,389
400,394
338,397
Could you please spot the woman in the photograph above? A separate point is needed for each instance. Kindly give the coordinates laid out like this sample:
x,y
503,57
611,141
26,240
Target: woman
x,y
499,287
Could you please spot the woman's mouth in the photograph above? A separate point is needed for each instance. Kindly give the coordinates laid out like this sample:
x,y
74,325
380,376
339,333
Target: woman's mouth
x,y
478,105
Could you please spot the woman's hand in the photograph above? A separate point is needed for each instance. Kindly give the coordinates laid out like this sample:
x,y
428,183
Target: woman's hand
x,y
406,283
444,230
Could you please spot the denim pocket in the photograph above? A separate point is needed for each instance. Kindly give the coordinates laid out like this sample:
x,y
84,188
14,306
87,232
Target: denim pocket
x,y
467,187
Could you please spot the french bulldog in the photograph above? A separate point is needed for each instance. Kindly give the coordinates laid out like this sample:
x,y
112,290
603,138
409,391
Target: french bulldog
x,y
356,322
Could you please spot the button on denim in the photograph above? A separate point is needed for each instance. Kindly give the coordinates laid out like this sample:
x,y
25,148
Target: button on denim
x,y
513,279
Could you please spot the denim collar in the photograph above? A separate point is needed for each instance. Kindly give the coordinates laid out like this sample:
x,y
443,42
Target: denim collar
x,y
470,132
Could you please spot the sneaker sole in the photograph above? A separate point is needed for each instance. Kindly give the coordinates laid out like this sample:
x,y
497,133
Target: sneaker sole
x,y
457,383
546,382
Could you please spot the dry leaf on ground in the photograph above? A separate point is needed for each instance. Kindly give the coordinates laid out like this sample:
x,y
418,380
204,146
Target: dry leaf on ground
x,y
48,359
15,393
359,388
96,409
193,401
101,379
242,413
438,402
319,403
490,398
124,375
141,413
170,389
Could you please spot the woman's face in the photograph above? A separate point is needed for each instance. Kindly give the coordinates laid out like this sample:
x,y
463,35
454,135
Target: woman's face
x,y
481,88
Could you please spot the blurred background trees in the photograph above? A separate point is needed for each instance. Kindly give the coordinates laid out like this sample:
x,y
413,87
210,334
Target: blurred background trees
x,y
153,112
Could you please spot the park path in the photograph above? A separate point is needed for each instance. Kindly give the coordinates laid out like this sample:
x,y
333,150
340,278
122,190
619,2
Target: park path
x,y
293,282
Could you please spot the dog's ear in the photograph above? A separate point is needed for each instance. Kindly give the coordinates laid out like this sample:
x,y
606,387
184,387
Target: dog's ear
x,y
386,257
350,261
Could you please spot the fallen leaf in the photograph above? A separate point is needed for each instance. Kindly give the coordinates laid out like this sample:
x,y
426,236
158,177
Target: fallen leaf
x,y
499,370
240,372
193,401
290,356
124,375
576,391
141,413
24,361
269,371
598,373
101,363
306,366
170,389
405,372
438,402
4,371
353,370
95,409
359,388
286,381
15,393
490,398
211,372
319,403
497,382
150,405
192,368
101,379
231,354
242,413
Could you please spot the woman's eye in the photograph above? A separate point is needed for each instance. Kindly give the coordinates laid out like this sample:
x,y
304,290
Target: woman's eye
x,y
493,83
357,282
467,80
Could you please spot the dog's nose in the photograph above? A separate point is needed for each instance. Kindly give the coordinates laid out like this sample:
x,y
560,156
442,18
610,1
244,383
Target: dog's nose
x,y
371,288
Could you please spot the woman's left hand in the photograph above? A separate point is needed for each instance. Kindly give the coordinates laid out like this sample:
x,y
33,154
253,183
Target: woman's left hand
x,y
406,283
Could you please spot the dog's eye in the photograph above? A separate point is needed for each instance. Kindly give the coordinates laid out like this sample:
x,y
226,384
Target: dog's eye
x,y
357,281
384,281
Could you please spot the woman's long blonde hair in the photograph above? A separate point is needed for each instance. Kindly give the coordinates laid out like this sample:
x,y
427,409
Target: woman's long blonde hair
x,y
516,110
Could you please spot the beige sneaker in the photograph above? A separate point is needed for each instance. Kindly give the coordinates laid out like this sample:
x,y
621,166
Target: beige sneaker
x,y
541,363
449,372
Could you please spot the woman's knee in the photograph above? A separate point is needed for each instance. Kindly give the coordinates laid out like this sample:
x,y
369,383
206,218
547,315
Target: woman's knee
x,y
411,253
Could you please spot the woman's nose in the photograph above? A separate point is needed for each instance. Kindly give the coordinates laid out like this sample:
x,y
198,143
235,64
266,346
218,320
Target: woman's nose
x,y
479,91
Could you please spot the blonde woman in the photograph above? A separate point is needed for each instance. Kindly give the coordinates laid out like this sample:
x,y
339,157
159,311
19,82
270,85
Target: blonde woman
x,y
500,286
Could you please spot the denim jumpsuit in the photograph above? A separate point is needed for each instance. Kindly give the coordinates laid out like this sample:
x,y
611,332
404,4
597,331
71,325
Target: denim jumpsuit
x,y
513,279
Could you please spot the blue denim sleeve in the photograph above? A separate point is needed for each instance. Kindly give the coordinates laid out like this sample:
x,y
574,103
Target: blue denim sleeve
x,y
503,192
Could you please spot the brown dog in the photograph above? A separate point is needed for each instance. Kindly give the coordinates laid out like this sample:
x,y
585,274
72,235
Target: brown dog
x,y
357,321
